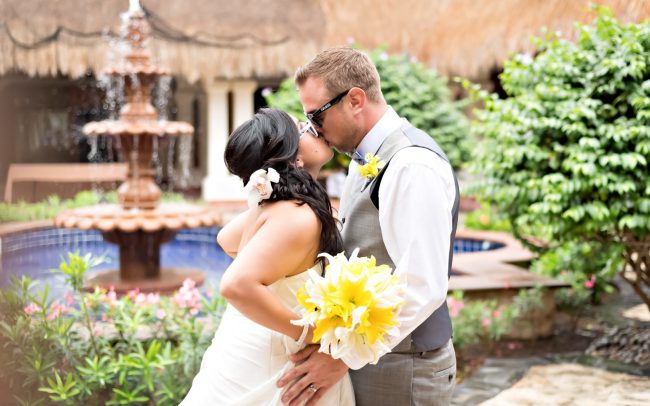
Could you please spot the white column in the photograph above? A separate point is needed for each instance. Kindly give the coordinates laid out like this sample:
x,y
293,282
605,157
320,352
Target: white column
x,y
219,184
244,101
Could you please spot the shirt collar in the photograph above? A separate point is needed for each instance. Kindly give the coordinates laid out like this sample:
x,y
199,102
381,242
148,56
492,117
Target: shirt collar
x,y
388,123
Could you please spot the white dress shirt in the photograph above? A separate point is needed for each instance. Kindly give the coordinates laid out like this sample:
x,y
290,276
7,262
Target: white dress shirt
x,y
416,198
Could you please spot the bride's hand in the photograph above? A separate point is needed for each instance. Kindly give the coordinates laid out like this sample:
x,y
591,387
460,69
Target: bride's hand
x,y
314,374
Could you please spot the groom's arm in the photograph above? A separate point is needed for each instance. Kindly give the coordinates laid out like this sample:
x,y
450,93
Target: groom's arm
x,y
415,215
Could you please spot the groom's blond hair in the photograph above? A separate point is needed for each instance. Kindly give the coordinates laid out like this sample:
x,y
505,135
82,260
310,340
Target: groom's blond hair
x,y
342,69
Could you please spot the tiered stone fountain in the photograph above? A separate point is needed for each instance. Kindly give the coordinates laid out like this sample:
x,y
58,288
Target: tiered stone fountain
x,y
140,223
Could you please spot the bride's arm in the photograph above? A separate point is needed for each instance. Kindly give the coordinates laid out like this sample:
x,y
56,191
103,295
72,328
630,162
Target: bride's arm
x,y
230,235
285,244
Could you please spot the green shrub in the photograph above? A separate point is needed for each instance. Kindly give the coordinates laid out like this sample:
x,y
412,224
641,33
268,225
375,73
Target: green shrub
x,y
48,208
415,92
566,153
486,217
96,348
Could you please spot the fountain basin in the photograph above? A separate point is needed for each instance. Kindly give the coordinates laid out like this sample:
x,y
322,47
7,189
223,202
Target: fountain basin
x,y
109,217
34,252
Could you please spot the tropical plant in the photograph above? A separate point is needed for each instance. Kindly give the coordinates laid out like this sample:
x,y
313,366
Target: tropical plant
x,y
566,153
416,92
98,348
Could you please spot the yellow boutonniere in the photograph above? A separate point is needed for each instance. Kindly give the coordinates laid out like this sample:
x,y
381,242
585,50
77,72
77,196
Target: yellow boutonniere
x,y
372,167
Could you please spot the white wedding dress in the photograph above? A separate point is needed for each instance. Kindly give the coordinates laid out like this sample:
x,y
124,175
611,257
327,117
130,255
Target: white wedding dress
x,y
245,360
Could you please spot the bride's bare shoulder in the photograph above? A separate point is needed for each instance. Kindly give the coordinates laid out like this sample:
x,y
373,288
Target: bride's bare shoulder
x,y
289,215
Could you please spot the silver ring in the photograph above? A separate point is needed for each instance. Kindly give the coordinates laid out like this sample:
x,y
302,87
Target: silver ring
x,y
312,388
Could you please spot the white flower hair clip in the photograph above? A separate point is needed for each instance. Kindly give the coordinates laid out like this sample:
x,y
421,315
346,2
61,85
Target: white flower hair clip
x,y
259,185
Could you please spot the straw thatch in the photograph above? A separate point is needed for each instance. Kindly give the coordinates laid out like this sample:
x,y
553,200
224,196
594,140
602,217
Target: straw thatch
x,y
462,37
197,39
204,39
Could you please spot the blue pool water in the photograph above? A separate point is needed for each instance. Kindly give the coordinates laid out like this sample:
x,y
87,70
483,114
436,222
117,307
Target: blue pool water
x,y
34,253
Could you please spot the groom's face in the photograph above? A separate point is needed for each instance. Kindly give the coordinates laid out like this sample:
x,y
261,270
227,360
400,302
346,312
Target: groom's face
x,y
332,124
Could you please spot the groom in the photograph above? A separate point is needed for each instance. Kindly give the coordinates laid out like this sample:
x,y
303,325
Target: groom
x,y
406,217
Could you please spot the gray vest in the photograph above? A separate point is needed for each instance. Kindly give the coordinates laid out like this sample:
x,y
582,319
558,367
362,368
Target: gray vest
x,y
361,229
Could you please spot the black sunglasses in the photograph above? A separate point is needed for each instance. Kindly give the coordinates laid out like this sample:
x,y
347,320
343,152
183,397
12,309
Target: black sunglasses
x,y
314,117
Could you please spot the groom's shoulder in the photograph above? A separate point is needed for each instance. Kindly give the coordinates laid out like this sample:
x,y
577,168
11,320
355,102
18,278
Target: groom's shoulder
x,y
414,155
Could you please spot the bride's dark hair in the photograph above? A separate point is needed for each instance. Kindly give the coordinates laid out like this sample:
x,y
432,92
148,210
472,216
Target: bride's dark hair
x,y
270,140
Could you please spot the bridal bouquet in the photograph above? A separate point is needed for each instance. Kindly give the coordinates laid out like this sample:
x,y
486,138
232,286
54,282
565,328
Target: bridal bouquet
x,y
353,307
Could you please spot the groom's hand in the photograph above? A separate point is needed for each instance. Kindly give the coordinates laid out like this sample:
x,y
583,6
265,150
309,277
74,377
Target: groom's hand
x,y
312,367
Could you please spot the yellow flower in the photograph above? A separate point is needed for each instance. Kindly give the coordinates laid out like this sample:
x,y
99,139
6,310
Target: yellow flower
x,y
353,307
372,167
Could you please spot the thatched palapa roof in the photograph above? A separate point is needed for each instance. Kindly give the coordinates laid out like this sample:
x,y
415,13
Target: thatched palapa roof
x,y
203,39
197,39
463,37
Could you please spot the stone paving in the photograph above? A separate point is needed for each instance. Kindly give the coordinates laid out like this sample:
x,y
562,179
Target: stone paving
x,y
539,381
493,377
574,384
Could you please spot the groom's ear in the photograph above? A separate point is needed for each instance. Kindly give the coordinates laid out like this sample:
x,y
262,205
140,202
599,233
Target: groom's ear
x,y
357,98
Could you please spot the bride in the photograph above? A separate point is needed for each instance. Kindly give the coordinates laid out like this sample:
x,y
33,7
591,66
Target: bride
x,y
288,223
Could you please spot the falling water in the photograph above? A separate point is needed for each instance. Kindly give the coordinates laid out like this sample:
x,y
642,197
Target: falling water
x,y
162,94
171,149
114,94
155,158
93,154
135,80
184,160
134,165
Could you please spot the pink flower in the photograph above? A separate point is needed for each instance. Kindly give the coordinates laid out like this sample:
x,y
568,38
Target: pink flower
x,y
104,317
188,297
189,283
32,308
591,282
140,298
161,314
55,310
69,298
497,313
132,294
209,292
455,306
111,296
153,298
513,346
486,322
